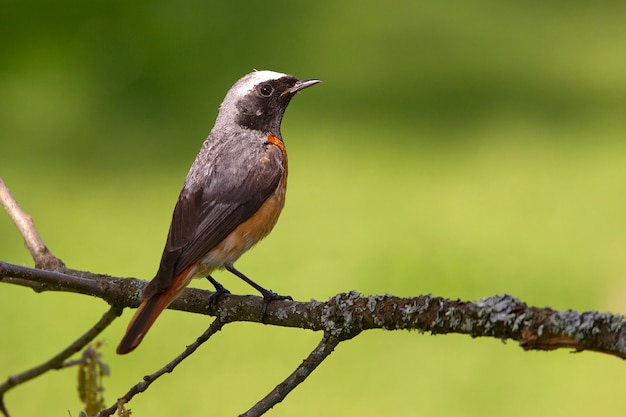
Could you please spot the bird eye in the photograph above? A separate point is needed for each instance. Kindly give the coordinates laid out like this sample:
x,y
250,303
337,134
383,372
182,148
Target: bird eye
x,y
266,90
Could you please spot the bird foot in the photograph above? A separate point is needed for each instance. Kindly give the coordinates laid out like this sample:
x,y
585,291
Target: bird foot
x,y
269,295
219,291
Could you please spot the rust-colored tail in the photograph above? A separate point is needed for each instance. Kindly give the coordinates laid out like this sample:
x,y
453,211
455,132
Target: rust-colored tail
x,y
150,309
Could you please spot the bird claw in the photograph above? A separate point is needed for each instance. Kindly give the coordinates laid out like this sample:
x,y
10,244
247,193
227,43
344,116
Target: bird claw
x,y
268,296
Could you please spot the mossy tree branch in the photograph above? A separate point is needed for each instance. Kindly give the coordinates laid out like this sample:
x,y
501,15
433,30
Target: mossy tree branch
x,y
342,317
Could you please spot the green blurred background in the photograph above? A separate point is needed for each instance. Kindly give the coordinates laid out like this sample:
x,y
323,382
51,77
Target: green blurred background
x,y
463,149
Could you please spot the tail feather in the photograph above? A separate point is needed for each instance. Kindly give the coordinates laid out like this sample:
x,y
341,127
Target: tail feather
x,y
149,311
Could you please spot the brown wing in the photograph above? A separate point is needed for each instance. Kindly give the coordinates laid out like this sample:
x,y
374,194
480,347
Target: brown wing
x,y
210,210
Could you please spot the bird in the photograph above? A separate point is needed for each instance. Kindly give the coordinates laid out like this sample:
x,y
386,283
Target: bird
x,y
231,199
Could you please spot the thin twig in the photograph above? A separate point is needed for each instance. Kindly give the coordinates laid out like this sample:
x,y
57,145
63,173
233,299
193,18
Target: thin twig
x,y
149,379
302,372
44,259
57,361
3,408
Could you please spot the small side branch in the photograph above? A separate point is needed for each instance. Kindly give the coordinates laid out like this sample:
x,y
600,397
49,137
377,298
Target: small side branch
x,y
149,379
58,361
321,352
44,259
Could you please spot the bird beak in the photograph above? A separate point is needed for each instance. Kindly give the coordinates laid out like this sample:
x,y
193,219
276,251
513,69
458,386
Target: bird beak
x,y
302,84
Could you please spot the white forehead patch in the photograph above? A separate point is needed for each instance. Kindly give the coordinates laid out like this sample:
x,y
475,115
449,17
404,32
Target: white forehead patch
x,y
260,76
245,84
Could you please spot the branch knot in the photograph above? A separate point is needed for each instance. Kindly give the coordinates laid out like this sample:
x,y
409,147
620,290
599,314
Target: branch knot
x,y
344,314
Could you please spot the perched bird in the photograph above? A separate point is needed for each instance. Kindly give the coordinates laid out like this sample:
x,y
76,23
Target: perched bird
x,y
231,199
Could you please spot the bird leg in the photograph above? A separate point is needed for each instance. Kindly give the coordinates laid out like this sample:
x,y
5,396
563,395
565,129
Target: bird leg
x,y
268,295
219,290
